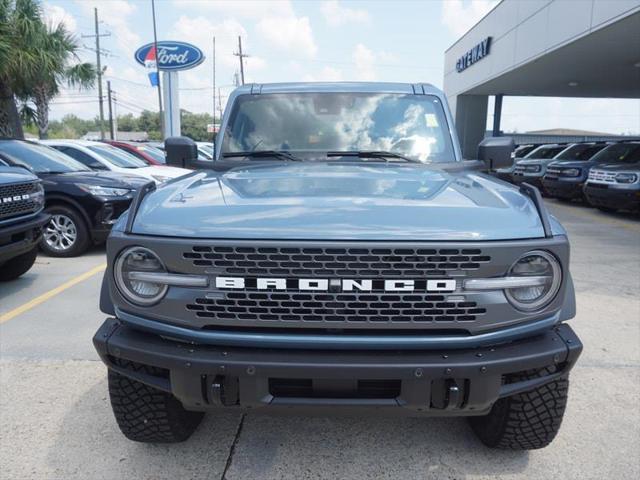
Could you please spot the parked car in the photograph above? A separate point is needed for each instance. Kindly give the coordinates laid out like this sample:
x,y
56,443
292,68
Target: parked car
x,y
519,153
533,166
83,204
616,186
21,220
205,151
565,176
100,157
144,151
319,271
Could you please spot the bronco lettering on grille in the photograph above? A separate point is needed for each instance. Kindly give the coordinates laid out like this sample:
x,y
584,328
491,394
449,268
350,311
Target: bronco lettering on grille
x,y
344,285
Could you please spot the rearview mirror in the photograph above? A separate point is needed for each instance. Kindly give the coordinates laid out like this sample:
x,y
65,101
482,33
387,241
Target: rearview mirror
x,y
183,152
495,152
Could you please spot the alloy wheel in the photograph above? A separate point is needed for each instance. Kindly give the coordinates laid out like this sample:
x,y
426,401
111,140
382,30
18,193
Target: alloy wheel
x,y
61,233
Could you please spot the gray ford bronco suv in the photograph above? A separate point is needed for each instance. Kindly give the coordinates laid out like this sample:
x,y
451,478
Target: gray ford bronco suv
x,y
338,254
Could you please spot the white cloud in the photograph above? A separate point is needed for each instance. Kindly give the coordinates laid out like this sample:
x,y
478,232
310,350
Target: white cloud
x,y
240,8
460,15
327,74
116,14
335,14
289,33
54,15
364,60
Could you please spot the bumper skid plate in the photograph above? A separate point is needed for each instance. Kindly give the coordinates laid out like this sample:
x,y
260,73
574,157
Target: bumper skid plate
x,y
447,383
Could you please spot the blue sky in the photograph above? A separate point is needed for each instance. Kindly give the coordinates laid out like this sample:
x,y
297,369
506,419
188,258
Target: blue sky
x,y
303,41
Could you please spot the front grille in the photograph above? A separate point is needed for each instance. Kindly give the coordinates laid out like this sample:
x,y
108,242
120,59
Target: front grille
x,y
602,176
295,262
12,203
335,308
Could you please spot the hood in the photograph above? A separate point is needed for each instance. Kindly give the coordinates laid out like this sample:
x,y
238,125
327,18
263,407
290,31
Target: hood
x,y
163,171
535,161
571,164
9,175
338,201
104,179
620,167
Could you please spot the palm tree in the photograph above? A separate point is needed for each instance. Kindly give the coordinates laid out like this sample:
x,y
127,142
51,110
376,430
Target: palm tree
x,y
20,21
63,67
35,59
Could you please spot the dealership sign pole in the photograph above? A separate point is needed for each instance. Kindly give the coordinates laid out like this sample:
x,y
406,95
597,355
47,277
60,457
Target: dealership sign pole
x,y
170,58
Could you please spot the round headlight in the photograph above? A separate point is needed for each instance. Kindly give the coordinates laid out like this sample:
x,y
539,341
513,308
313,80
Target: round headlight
x,y
135,260
535,264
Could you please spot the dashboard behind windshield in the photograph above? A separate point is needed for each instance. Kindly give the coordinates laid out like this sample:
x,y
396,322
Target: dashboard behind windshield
x,y
414,126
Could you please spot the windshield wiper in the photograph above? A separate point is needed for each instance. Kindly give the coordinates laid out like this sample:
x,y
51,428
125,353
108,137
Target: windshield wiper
x,y
372,154
263,154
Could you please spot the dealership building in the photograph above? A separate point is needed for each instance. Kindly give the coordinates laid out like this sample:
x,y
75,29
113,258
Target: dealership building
x,y
550,48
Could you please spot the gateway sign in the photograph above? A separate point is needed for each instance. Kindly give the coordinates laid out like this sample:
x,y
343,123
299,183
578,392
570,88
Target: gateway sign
x,y
477,53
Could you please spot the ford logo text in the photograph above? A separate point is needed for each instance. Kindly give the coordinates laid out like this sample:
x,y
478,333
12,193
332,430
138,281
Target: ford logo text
x,y
172,55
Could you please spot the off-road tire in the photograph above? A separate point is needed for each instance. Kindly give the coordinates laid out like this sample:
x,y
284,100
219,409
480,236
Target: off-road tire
x,y
145,414
525,421
17,266
83,239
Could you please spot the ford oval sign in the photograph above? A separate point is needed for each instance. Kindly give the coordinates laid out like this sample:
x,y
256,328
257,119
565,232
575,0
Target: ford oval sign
x,y
171,55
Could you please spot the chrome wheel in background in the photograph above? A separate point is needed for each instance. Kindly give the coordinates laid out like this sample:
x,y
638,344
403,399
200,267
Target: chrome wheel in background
x,y
61,233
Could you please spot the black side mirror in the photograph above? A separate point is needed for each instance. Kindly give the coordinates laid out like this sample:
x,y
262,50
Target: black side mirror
x,y
183,152
495,152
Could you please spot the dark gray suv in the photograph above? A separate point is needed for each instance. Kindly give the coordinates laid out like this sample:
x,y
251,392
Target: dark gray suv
x,y
338,255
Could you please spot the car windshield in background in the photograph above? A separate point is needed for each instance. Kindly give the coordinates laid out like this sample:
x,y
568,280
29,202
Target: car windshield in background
x,y
39,158
580,152
413,126
545,152
155,153
620,152
117,157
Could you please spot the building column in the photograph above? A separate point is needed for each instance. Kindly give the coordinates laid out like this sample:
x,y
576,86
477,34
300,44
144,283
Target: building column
x,y
471,122
497,114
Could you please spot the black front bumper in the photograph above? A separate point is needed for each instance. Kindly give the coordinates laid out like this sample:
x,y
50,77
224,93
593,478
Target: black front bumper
x,y
563,188
22,236
615,198
449,383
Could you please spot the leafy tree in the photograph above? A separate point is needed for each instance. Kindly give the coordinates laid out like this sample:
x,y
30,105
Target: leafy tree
x,y
34,61
64,67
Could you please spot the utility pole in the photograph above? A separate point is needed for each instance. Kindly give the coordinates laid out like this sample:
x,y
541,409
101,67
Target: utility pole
x,y
219,106
115,116
97,36
241,56
110,110
155,47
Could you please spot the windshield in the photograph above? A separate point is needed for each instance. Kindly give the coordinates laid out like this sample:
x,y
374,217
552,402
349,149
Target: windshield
x,y
39,158
117,157
580,152
155,153
620,152
315,123
544,152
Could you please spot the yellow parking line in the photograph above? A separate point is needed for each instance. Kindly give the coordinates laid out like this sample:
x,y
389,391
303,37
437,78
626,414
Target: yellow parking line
x,y
51,293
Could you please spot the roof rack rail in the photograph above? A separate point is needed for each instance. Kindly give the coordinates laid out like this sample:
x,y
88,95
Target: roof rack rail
x,y
534,194
135,204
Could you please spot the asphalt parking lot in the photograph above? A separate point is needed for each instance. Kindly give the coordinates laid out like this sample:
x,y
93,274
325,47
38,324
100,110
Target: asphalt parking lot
x,y
56,423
